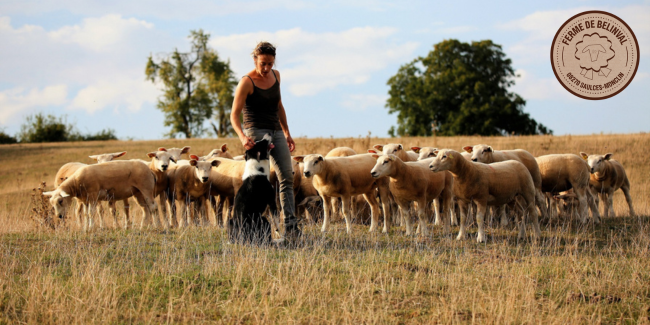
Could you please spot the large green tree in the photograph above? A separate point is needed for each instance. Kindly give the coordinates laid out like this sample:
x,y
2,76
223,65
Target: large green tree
x,y
459,88
197,86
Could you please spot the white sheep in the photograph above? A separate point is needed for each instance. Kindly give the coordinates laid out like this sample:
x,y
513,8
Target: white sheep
x,y
562,172
111,181
485,154
607,176
344,177
494,184
414,182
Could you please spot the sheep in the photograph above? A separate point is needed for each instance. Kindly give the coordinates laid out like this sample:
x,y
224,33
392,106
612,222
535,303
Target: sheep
x,y
397,150
190,183
607,176
343,177
111,181
106,157
224,184
562,172
494,184
161,161
485,154
70,168
306,194
413,182
341,152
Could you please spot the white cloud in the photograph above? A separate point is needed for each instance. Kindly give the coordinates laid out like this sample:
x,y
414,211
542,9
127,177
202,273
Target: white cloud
x,y
123,92
16,100
166,9
313,62
99,34
455,30
529,86
361,102
100,60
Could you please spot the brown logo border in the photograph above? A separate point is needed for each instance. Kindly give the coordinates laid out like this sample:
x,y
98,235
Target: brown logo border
x,y
636,43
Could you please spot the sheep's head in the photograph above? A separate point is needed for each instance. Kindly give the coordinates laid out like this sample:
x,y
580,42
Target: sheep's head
x,y
389,149
444,160
58,201
107,156
425,152
384,166
202,168
177,152
594,51
312,164
161,159
218,153
597,163
480,153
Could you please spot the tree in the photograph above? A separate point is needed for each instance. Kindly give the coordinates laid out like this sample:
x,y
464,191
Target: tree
x,y
459,88
196,86
6,138
41,128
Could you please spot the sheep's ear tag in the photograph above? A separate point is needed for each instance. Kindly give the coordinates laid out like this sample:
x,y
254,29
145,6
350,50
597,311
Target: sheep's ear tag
x,y
584,156
195,157
451,156
64,194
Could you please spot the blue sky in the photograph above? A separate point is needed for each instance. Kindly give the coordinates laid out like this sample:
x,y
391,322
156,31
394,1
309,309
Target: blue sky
x,y
86,59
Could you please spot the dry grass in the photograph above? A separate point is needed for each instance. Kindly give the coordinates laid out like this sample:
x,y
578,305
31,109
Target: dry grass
x,y
574,274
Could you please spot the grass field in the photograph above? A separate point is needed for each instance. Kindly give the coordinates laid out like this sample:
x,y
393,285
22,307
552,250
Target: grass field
x,y
573,274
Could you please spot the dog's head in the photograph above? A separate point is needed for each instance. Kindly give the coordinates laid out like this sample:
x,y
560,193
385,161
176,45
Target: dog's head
x,y
261,149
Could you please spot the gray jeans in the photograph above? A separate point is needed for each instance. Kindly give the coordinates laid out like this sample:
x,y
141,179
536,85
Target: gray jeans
x,y
281,161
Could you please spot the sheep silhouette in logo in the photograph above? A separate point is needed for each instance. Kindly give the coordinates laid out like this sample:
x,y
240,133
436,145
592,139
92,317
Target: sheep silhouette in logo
x,y
594,52
248,225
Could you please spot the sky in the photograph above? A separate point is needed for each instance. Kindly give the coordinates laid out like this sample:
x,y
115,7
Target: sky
x,y
85,60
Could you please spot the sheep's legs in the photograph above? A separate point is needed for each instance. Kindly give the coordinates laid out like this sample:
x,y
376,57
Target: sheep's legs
x,y
113,210
463,207
385,205
326,212
446,212
79,213
127,214
481,207
628,198
582,203
404,209
345,207
374,210
504,216
422,217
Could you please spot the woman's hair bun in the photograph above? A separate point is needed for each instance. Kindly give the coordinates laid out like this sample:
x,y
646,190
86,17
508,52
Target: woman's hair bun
x,y
263,48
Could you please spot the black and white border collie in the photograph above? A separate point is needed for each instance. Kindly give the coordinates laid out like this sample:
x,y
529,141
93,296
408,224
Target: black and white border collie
x,y
248,225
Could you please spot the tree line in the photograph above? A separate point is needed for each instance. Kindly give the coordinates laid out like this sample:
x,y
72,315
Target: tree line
x,y
457,89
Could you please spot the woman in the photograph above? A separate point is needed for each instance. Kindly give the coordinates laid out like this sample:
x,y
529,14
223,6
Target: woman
x,y
258,97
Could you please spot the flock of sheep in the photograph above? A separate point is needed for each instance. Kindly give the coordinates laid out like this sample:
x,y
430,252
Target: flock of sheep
x,y
511,182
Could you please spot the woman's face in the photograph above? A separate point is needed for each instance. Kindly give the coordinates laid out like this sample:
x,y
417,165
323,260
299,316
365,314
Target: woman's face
x,y
264,64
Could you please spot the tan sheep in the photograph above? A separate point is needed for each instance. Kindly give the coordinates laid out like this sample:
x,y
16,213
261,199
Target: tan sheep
x,y
190,184
344,177
562,172
607,176
341,152
111,181
70,168
397,150
485,154
414,182
494,184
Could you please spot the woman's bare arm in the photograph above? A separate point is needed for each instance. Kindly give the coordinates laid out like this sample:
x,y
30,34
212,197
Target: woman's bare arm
x,y
244,88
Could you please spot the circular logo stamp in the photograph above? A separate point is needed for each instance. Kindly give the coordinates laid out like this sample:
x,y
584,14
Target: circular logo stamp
x,y
595,55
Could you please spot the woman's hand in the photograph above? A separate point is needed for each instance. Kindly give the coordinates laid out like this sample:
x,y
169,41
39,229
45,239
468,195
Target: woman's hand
x,y
291,144
247,142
